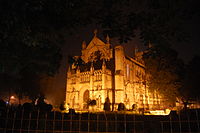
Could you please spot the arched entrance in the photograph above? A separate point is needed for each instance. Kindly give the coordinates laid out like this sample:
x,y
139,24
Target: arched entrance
x,y
86,97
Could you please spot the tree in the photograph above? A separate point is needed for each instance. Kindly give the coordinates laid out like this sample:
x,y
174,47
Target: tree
x,y
28,107
154,20
107,104
2,105
164,71
75,61
92,103
190,90
42,105
121,107
27,47
62,107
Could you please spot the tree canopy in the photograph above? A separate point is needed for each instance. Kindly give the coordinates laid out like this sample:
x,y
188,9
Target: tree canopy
x,y
190,89
164,71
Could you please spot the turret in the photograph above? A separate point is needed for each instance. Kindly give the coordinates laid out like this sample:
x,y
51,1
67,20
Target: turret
x,y
107,39
92,68
95,33
149,45
83,45
107,42
119,58
69,72
78,70
135,51
91,79
78,74
103,75
103,66
119,74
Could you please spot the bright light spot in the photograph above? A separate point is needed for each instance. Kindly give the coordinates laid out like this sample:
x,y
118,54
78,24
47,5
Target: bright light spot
x,y
12,97
46,101
66,106
159,112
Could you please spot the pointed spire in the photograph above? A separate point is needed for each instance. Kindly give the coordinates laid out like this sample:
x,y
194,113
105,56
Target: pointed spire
x,y
95,32
104,65
83,45
78,69
149,45
92,67
69,71
108,39
135,51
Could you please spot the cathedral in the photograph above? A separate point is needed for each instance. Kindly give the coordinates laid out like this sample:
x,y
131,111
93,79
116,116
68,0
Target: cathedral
x,y
106,74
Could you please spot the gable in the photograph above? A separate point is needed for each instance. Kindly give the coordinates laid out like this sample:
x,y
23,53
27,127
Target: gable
x,y
96,45
95,42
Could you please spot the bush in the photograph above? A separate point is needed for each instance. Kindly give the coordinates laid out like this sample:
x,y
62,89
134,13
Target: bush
x,y
107,105
49,107
92,102
121,107
28,107
134,107
42,105
72,111
62,107
2,104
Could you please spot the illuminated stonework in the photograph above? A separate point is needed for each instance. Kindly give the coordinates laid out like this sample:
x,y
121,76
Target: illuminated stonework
x,y
108,73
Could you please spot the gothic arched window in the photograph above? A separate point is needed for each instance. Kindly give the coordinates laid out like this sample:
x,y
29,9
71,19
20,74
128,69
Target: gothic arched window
x,y
86,97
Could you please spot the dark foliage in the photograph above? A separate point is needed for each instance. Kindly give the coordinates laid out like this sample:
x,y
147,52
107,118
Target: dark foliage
x,y
164,71
48,108
107,104
28,48
121,107
134,106
72,111
92,102
190,90
28,107
62,107
2,104
42,106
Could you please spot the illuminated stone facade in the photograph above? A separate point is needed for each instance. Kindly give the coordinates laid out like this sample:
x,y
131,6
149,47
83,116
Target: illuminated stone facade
x,y
108,73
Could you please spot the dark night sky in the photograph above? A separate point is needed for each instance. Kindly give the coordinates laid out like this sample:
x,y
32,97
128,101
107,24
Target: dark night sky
x,y
188,49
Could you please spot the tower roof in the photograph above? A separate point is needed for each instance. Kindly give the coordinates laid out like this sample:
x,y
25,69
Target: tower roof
x,y
95,45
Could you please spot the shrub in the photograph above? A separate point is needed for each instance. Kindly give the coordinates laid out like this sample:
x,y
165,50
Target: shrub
x,y
2,103
107,105
72,111
62,107
49,107
92,102
27,107
121,107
